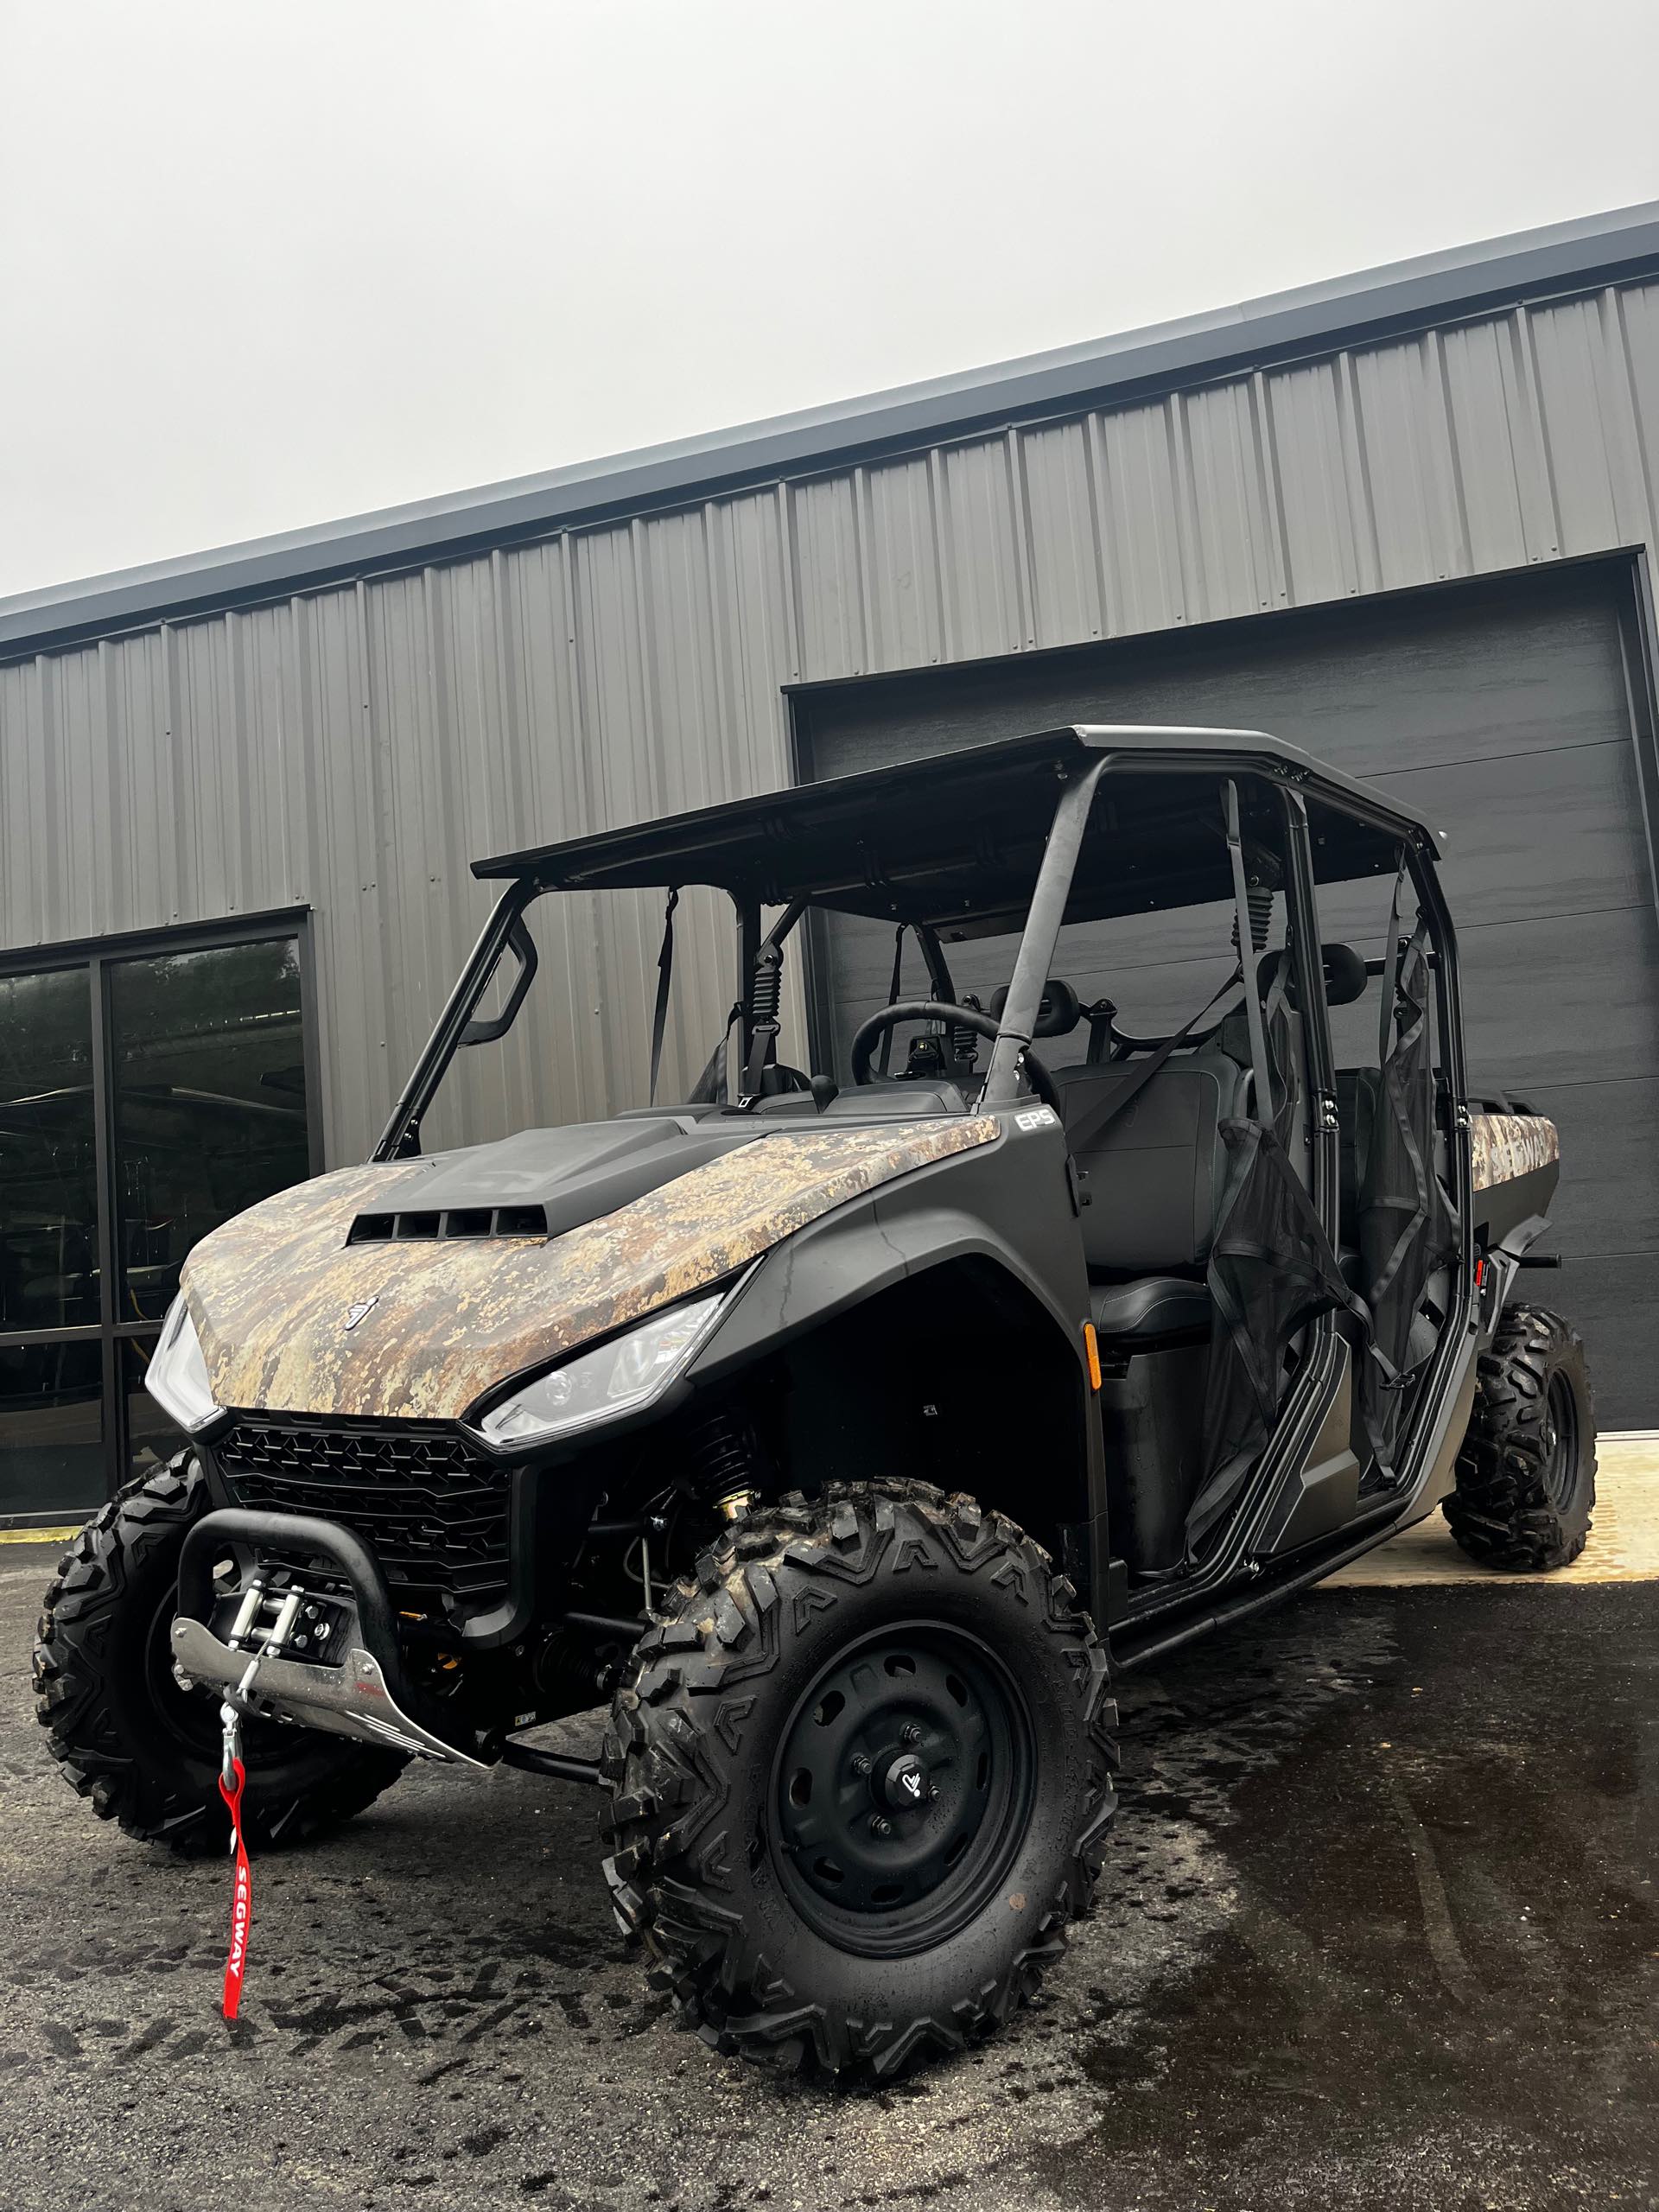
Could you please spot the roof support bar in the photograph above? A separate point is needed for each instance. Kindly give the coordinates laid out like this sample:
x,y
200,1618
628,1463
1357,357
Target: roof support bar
x,y
1043,919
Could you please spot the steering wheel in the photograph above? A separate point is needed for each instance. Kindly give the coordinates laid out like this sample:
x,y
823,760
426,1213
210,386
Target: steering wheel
x,y
954,1017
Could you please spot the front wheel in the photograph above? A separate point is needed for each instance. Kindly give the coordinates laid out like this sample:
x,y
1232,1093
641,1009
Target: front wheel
x,y
1526,1477
862,1777
145,1752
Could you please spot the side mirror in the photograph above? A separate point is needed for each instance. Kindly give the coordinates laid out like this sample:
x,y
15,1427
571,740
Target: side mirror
x,y
486,1031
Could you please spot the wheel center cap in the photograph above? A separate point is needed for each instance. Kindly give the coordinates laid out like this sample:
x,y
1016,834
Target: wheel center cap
x,y
904,1784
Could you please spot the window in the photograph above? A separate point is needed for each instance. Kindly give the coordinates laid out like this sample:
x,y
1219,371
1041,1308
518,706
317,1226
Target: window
x,y
148,1091
48,1176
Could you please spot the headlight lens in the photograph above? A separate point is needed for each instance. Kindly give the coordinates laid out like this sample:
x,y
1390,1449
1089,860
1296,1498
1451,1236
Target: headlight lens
x,y
177,1374
627,1372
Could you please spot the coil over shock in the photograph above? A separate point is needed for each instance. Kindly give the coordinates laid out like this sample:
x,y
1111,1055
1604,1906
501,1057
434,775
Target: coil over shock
x,y
570,1670
724,1462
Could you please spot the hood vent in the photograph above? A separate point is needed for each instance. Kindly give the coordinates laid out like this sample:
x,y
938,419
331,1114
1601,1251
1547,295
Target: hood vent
x,y
458,1221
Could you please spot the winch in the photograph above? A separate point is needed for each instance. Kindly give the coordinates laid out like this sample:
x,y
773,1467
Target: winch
x,y
294,1651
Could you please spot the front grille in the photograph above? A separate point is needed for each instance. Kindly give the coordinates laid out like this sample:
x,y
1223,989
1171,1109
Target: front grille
x,y
430,1506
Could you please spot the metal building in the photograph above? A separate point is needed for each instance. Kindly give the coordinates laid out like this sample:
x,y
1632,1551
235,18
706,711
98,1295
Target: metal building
x,y
1403,519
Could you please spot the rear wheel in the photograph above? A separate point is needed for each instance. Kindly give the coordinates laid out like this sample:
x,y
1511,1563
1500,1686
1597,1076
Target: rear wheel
x,y
145,1752
1526,1479
862,1778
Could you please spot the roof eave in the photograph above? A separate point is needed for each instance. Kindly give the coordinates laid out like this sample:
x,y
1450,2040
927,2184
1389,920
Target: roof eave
x,y
1589,250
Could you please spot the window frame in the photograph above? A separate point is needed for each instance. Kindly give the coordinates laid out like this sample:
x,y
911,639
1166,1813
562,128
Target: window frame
x,y
95,957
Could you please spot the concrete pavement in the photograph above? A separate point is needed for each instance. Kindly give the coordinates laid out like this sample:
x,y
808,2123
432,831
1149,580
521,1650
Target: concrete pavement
x,y
1378,1929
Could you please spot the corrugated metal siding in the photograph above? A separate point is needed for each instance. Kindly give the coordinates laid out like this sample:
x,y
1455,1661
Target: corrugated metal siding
x,y
354,748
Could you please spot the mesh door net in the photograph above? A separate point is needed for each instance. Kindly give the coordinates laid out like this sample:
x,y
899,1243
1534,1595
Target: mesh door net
x,y
1271,1272
1407,1224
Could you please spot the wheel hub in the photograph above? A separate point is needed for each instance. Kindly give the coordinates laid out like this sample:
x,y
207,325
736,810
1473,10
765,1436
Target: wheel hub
x,y
906,1785
902,1774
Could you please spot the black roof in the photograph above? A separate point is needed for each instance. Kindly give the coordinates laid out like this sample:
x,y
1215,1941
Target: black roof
x,y
956,840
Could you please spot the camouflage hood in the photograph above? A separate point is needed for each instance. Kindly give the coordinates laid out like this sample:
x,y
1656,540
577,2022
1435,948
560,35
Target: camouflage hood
x,y
404,1292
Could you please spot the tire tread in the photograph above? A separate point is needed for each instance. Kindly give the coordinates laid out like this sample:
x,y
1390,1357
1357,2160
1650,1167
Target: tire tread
x,y
78,1617
668,1794
1501,1512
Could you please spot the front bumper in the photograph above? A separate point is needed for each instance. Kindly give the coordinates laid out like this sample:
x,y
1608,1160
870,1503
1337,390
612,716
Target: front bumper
x,y
360,1691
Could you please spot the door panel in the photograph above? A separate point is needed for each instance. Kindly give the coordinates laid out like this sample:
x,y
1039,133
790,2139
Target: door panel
x,y
144,1097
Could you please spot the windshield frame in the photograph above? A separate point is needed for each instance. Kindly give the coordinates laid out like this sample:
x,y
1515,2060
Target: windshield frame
x,y
455,1027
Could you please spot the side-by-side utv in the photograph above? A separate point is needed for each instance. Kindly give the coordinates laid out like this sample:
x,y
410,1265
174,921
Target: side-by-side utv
x,y
846,1427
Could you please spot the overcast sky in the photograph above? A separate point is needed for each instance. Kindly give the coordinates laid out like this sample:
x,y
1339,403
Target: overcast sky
x,y
265,263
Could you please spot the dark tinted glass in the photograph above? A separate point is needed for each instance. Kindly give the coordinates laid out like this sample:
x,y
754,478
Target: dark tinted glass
x,y
151,1437
209,1071
51,1428
49,1205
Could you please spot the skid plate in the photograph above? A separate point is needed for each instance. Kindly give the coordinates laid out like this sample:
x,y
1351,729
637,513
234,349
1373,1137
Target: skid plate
x,y
349,1699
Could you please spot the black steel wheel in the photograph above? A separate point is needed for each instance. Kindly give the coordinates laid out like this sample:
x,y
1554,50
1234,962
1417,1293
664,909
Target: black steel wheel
x,y
903,1788
861,1778
145,1752
1562,1469
1526,1477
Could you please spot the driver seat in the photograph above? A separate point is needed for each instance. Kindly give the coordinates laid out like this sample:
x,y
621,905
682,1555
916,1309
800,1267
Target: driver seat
x,y
1152,1180
1154,1176
1151,1308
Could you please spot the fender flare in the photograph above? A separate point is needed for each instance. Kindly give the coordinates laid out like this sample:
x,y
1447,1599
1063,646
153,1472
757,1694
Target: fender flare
x,y
836,1264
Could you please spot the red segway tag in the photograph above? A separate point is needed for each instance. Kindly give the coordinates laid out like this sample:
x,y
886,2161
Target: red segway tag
x,y
241,1895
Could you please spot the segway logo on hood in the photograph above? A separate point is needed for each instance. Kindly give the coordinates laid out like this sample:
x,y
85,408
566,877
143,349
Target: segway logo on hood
x,y
355,1314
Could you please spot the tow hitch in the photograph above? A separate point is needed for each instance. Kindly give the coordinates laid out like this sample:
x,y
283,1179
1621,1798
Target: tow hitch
x,y
350,1681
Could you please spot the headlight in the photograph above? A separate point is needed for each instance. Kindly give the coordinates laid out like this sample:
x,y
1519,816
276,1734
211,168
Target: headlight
x,y
626,1373
177,1374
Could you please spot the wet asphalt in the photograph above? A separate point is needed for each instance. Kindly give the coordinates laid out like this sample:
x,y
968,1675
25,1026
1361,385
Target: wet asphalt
x,y
1379,1927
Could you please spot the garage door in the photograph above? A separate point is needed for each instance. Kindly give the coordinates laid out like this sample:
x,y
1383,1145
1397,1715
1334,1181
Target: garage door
x,y
1504,712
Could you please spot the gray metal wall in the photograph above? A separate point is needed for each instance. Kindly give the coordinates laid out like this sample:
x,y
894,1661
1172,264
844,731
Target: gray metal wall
x,y
352,748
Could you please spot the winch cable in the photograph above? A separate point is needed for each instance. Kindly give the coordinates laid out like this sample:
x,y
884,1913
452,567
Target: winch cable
x,y
233,1774
232,1777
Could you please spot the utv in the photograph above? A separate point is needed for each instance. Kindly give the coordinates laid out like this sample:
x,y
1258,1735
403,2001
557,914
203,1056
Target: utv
x,y
846,1429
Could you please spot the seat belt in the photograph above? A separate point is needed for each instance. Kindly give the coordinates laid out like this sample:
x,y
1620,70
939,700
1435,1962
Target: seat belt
x,y
764,991
884,1061
1093,1126
664,971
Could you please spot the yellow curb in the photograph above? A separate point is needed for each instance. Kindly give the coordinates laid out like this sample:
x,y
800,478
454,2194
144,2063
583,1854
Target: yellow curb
x,y
39,1535
1623,1544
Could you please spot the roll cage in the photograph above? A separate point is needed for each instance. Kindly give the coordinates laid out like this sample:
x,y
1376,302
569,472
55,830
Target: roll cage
x,y
1028,833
